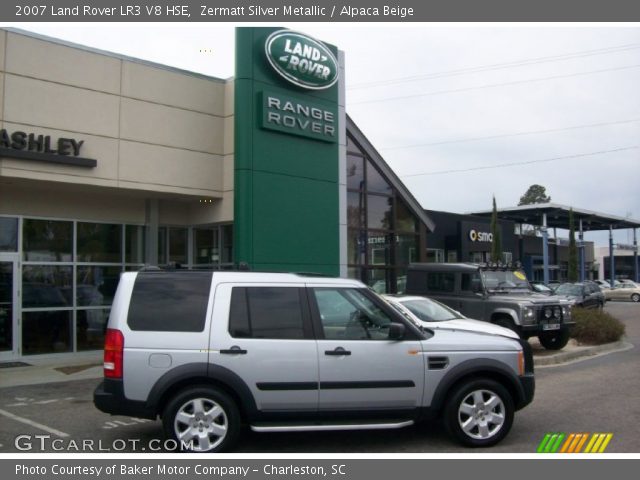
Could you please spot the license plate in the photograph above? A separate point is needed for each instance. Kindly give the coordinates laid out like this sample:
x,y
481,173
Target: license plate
x,y
551,326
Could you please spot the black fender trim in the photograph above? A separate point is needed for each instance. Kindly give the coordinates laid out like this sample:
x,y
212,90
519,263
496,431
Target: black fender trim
x,y
479,366
202,373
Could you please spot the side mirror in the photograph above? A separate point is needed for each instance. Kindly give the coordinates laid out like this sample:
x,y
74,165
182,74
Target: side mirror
x,y
396,331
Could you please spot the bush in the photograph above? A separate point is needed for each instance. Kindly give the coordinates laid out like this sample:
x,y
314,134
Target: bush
x,y
594,327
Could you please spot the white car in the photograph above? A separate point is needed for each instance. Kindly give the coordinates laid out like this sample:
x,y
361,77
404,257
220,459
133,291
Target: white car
x,y
433,314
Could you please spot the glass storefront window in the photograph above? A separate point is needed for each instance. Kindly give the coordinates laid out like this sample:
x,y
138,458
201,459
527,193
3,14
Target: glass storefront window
x,y
46,332
227,243
355,209
355,172
356,246
162,245
405,220
8,234
376,182
406,249
99,242
90,328
47,240
205,246
379,212
96,285
47,286
134,241
178,246
379,248
379,279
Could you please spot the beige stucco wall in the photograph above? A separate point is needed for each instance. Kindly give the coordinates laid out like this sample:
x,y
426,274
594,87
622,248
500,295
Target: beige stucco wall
x,y
155,132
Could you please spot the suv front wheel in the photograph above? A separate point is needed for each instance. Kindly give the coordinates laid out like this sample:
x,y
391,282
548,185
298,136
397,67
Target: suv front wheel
x,y
202,419
479,413
554,340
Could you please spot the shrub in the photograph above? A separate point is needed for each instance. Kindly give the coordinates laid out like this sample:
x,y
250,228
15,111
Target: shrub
x,y
594,327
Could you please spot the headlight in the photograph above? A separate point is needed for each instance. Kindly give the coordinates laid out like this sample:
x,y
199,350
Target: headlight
x,y
527,312
557,312
548,312
566,311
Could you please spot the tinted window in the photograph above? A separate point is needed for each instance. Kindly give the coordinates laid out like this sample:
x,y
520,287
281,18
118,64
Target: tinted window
x,y
470,282
169,302
440,282
266,312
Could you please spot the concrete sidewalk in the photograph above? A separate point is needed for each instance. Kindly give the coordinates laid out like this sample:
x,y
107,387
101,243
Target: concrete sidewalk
x,y
83,366
79,366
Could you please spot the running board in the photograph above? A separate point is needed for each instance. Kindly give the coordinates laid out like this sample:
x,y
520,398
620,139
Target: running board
x,y
330,427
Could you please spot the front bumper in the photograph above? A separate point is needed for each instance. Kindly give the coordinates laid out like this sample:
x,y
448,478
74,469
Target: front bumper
x,y
536,328
108,397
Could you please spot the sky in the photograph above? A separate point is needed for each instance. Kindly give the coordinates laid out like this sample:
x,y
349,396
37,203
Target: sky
x,y
446,105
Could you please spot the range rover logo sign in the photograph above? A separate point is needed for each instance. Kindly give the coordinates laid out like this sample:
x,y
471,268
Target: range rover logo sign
x,y
301,60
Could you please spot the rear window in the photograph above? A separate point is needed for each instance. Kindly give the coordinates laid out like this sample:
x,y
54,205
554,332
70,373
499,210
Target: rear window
x,y
169,302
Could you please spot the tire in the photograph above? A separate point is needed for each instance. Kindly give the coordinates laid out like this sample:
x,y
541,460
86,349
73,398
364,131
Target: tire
x,y
471,421
507,323
554,340
204,417
635,297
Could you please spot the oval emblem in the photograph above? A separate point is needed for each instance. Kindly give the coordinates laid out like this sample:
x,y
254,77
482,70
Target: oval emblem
x,y
301,60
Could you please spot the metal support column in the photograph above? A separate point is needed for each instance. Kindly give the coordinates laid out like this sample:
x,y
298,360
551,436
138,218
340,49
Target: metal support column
x,y
545,250
635,257
581,251
152,220
612,267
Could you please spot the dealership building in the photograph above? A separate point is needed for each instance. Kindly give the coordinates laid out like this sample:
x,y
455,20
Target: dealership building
x,y
110,163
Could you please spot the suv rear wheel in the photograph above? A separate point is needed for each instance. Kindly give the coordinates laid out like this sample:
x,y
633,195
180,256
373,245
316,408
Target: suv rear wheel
x,y
202,419
479,413
554,340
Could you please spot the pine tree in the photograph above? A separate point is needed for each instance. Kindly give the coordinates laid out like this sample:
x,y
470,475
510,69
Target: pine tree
x,y
496,244
572,268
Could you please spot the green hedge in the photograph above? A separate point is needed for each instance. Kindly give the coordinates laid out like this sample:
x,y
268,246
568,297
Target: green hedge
x,y
594,327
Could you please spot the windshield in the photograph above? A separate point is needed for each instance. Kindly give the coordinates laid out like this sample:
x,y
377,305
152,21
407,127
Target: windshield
x,y
568,289
504,280
430,311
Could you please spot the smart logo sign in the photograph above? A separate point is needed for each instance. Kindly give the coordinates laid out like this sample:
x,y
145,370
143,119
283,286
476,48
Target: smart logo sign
x,y
478,236
301,60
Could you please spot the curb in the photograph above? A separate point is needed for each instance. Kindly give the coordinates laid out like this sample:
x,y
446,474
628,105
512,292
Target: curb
x,y
581,353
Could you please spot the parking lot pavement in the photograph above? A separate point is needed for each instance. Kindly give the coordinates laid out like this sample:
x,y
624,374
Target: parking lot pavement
x,y
595,395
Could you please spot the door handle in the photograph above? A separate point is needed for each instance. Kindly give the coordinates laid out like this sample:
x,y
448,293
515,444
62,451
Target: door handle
x,y
338,352
235,350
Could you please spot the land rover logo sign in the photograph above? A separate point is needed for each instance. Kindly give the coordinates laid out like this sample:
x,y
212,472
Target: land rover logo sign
x,y
301,60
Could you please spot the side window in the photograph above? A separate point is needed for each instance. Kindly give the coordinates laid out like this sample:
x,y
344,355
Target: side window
x,y
266,312
470,283
440,281
169,302
346,313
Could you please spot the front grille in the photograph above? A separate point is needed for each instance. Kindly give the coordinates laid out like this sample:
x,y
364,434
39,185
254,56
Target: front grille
x,y
549,314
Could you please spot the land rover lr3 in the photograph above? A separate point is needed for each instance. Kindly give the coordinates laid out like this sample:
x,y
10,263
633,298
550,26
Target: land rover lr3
x,y
209,352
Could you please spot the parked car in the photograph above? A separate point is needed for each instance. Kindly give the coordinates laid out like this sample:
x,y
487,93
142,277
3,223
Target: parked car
x,y
437,315
209,352
495,294
625,291
584,295
539,287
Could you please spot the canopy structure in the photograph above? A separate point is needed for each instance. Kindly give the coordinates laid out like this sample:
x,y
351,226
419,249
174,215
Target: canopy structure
x,y
557,216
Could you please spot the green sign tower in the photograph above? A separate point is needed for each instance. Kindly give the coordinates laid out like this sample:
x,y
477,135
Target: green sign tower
x,y
289,153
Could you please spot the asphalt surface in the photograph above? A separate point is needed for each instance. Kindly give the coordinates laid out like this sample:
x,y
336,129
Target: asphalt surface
x,y
595,395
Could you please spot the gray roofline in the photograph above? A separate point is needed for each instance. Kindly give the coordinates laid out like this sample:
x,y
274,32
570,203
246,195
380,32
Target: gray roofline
x,y
557,206
377,159
118,56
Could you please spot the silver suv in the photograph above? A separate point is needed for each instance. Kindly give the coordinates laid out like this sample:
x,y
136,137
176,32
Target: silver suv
x,y
495,294
209,352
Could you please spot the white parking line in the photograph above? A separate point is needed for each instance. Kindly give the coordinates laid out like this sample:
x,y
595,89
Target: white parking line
x,y
33,424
